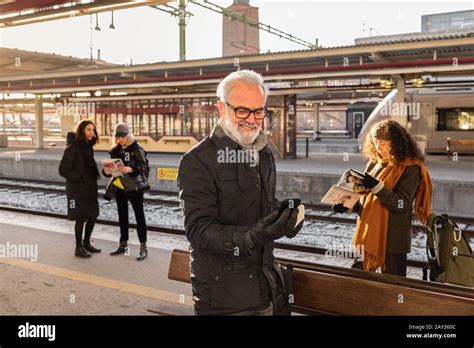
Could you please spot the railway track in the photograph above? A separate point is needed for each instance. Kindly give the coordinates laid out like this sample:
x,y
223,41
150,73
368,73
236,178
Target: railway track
x,y
179,232
172,200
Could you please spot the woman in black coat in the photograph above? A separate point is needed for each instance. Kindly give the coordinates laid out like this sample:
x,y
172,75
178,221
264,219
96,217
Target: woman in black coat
x,y
79,168
135,167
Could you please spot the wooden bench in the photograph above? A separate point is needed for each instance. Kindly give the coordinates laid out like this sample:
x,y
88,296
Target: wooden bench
x,y
459,146
330,290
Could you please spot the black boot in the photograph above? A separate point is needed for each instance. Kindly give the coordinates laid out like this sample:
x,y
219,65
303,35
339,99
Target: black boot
x,y
143,252
122,249
81,252
88,246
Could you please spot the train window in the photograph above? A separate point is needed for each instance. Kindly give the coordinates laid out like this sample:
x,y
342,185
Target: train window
x,y
159,125
455,119
98,124
111,124
186,124
169,124
178,124
204,131
128,120
144,125
212,121
196,128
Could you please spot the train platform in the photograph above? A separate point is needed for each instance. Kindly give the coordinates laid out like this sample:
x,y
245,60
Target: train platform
x,y
45,278
441,168
308,178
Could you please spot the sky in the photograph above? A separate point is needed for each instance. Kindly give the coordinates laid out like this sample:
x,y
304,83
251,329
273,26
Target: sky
x,y
146,35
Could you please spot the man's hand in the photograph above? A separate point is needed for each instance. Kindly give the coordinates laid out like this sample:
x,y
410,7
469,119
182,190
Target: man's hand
x,y
272,227
296,230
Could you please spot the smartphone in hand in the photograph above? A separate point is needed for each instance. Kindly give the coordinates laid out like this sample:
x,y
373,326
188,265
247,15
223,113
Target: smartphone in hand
x,y
291,203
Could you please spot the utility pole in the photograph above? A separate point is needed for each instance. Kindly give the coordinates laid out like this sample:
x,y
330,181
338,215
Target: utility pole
x,y
182,16
182,30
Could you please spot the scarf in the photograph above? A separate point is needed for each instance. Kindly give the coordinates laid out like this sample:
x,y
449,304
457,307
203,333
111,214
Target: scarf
x,y
372,226
258,144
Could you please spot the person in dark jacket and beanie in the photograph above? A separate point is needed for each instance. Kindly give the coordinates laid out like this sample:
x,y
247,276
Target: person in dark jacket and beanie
x,y
395,176
79,168
134,159
230,212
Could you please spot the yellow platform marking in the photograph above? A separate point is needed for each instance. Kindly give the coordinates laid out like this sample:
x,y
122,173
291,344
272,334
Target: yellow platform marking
x,y
158,294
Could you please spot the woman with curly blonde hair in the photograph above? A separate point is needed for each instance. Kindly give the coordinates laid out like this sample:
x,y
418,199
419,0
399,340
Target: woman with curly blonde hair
x,y
395,177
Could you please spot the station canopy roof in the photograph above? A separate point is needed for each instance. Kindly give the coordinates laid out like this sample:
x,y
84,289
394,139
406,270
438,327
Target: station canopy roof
x,y
447,56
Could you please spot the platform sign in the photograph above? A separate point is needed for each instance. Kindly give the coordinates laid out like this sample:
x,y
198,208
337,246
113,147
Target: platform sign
x,y
167,173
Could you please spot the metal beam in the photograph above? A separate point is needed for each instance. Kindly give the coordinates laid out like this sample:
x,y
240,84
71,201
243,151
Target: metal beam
x,y
309,54
74,11
278,77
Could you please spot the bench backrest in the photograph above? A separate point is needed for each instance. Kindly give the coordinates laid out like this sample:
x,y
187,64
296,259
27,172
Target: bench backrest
x,y
337,291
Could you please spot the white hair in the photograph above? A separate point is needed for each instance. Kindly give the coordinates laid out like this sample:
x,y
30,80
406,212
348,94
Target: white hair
x,y
247,77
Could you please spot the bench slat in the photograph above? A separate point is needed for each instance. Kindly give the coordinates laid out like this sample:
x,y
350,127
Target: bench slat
x,y
351,296
346,294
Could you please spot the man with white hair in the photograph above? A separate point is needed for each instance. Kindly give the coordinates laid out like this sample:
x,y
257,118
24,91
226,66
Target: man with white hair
x,y
227,186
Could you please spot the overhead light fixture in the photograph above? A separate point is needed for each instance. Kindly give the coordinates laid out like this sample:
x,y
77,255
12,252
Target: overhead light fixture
x,y
108,7
386,83
64,12
111,26
42,18
113,94
97,22
418,81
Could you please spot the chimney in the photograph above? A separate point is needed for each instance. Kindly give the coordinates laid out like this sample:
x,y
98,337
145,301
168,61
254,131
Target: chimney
x,y
238,37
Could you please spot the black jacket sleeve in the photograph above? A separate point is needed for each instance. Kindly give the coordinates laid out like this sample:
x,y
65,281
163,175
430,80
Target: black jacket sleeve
x,y
199,198
140,166
399,200
66,166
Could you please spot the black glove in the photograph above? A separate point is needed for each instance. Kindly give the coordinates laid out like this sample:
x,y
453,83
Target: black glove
x,y
295,231
272,227
340,208
369,181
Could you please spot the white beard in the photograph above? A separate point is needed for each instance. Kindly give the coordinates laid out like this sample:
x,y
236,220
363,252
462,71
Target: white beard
x,y
243,138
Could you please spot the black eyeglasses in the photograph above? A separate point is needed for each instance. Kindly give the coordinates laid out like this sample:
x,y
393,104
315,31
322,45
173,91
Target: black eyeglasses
x,y
243,112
